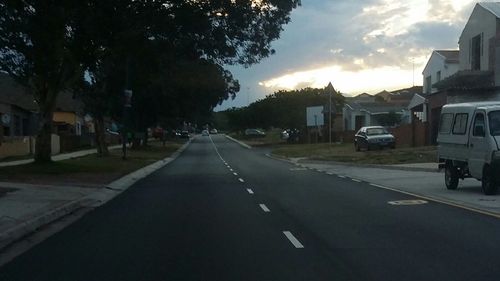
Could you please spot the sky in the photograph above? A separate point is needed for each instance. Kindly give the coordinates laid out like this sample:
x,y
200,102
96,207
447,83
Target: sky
x,y
358,45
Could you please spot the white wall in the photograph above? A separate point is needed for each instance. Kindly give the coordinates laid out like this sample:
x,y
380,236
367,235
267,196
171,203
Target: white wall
x,y
480,21
437,63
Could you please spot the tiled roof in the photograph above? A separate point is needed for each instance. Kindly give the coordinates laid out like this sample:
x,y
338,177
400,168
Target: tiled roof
x,y
15,94
376,107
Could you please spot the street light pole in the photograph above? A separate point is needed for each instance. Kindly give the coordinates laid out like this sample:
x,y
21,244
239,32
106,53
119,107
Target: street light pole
x,y
330,117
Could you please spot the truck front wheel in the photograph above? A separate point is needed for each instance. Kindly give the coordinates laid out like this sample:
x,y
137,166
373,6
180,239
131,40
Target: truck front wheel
x,y
488,182
451,177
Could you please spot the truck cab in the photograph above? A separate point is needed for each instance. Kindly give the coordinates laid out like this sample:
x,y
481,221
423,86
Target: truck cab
x,y
468,144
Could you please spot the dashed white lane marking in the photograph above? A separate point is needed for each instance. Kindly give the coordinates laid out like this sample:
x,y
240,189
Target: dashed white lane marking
x,y
235,174
377,185
296,243
264,208
241,180
231,170
331,174
343,177
249,191
356,180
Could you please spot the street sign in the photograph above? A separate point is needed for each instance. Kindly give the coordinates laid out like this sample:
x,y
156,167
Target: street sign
x,y
315,116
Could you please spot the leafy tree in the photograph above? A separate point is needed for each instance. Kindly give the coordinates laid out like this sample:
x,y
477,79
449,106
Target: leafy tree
x,y
284,109
36,38
176,49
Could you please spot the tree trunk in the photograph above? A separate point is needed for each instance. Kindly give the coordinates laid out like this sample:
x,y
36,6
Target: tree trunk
x,y
146,137
100,139
43,145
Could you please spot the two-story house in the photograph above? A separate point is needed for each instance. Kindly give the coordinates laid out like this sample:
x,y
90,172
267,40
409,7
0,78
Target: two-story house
x,y
441,64
478,76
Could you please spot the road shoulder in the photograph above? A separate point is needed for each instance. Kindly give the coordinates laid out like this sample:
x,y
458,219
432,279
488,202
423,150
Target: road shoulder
x,y
428,185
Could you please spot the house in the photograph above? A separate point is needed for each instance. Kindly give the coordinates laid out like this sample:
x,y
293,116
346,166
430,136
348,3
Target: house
x,y
474,77
17,109
478,76
19,119
357,115
68,115
426,106
441,64
363,98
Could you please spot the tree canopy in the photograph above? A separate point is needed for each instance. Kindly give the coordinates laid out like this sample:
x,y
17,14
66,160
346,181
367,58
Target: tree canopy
x,y
168,51
283,109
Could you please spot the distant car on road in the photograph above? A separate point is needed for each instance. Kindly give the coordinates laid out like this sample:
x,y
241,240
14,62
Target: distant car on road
x,y
185,135
254,133
373,137
214,132
205,133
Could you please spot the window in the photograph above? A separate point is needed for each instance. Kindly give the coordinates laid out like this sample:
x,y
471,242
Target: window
x,y
438,76
476,51
494,122
478,125
460,124
445,123
428,84
376,131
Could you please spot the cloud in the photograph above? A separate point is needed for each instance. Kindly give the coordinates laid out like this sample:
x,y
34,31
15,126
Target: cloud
x,y
357,37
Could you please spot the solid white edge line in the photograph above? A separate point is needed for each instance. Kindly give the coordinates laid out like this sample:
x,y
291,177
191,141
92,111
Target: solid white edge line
x,y
249,191
264,208
331,174
356,180
472,209
295,242
241,180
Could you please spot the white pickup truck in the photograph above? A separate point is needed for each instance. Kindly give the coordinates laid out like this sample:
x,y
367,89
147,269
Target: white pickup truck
x,y
468,144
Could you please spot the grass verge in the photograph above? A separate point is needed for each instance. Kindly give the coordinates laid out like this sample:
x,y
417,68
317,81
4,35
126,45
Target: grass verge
x,y
91,169
346,153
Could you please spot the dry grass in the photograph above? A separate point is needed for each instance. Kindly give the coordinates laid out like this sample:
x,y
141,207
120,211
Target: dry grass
x,y
346,153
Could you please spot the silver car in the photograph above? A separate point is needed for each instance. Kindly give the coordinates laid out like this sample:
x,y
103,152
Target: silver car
x,y
373,137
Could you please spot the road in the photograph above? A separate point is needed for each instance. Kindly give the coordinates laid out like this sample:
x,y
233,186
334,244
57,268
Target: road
x,y
222,212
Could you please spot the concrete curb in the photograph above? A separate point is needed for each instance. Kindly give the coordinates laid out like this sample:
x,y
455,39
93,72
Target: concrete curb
x,y
29,226
239,142
94,199
386,167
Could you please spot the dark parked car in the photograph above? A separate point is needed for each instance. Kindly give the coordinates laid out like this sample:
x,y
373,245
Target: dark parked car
x,y
373,137
254,133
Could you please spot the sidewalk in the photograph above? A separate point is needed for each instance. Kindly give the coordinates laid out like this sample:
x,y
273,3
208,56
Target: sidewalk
x,y
26,207
58,157
408,180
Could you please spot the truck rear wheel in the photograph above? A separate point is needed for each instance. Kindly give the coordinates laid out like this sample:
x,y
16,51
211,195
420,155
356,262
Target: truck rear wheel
x,y
488,182
451,177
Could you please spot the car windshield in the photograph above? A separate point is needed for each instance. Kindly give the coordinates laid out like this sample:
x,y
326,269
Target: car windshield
x,y
376,131
494,122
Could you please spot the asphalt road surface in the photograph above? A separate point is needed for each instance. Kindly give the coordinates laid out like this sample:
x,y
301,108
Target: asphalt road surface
x,y
223,212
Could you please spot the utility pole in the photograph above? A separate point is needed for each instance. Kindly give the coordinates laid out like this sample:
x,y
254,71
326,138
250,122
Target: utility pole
x,y
330,90
413,73
127,104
